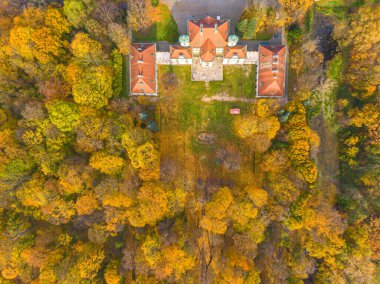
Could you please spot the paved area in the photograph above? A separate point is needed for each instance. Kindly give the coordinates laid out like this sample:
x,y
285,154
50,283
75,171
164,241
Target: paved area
x,y
183,10
200,73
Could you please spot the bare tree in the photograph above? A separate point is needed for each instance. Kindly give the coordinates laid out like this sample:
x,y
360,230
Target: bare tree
x,y
138,15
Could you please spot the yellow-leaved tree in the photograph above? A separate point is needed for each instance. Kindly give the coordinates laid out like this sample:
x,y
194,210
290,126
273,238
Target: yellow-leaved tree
x,y
150,206
106,163
215,217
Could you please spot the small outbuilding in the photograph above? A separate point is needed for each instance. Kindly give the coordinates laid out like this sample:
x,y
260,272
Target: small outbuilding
x,y
235,111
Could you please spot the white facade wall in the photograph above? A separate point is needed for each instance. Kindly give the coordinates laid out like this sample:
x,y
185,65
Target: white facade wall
x,y
181,61
252,57
234,61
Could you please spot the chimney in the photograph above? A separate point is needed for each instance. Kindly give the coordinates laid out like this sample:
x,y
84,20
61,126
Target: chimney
x,y
216,27
201,28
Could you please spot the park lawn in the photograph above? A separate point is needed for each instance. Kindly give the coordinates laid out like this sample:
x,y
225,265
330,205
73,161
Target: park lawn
x,y
183,116
164,27
238,81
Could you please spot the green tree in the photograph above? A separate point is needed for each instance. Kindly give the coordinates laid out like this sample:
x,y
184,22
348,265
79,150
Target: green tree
x,y
77,11
64,115
94,87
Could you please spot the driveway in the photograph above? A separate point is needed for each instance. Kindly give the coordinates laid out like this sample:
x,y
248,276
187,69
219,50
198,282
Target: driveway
x,y
183,10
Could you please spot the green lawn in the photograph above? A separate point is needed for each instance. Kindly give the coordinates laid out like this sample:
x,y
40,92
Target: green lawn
x,y
239,81
164,27
264,35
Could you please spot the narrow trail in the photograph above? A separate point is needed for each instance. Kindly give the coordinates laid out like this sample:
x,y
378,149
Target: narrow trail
x,y
226,98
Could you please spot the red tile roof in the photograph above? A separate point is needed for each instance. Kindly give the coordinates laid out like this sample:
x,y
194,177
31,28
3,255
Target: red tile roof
x,y
208,33
208,51
271,71
239,50
177,51
143,68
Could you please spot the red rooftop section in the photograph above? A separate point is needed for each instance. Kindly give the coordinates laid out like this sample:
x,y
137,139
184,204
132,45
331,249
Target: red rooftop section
x,y
208,34
143,73
272,69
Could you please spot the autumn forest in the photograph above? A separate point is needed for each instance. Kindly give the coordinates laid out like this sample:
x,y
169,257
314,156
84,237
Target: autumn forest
x,y
97,186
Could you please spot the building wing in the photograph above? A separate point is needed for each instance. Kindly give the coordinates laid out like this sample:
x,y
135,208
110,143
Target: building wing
x,y
143,69
272,69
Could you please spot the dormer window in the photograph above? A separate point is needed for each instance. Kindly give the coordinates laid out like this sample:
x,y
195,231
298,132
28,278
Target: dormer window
x,y
235,56
262,83
181,55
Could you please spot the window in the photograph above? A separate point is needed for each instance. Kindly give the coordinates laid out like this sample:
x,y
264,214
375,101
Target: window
x,y
262,83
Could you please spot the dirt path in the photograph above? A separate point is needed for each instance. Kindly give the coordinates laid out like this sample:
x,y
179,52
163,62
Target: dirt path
x,y
327,157
226,98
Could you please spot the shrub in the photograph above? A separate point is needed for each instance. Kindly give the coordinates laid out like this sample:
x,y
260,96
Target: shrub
x,y
295,34
335,68
155,3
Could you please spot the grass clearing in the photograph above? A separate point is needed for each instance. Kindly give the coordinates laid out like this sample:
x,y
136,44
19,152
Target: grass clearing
x,y
164,27
183,116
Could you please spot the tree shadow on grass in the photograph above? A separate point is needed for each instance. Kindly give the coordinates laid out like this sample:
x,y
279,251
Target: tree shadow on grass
x,y
165,29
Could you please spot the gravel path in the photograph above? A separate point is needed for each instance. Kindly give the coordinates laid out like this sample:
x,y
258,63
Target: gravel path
x,y
226,98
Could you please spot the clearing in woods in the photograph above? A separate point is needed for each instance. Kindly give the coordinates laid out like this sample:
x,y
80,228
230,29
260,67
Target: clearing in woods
x,y
183,116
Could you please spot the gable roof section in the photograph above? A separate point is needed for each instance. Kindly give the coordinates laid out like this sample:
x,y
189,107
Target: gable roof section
x,y
239,51
143,68
272,68
177,51
208,33
208,51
